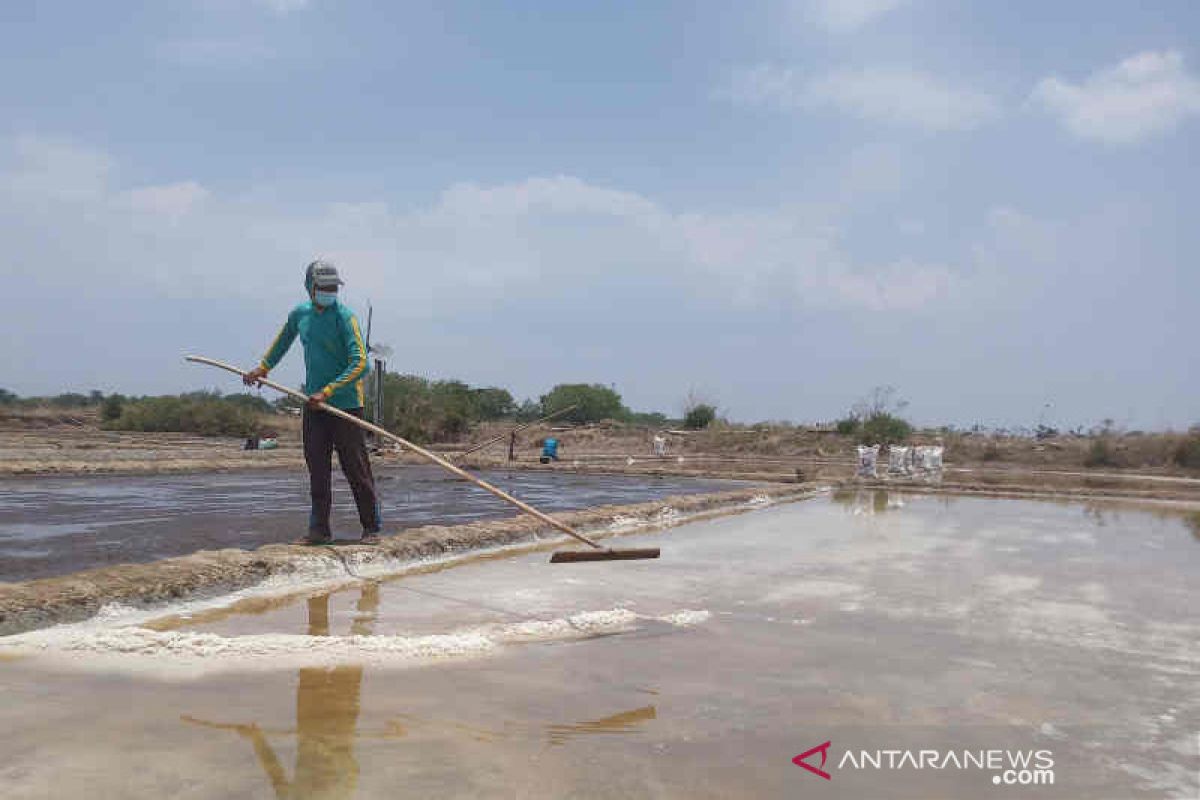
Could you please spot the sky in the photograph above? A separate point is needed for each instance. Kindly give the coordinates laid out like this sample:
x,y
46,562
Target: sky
x,y
773,206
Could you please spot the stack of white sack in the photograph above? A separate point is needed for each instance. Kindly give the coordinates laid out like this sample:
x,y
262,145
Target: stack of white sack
x,y
867,459
903,460
931,458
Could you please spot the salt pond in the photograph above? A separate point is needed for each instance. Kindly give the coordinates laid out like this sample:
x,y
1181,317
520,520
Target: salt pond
x,y
871,621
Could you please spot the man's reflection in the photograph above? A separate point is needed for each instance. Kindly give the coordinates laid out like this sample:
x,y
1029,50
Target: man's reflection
x,y
327,709
327,705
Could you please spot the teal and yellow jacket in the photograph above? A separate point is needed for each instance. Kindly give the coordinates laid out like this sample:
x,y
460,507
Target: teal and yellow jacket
x,y
335,358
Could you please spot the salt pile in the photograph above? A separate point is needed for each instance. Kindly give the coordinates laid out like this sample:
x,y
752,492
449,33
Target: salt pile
x,y
96,646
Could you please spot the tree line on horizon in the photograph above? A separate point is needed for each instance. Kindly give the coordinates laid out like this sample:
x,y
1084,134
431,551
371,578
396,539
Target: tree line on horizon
x,y
426,411
417,408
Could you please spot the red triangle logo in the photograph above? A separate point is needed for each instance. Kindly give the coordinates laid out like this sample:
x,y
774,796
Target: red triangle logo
x,y
823,749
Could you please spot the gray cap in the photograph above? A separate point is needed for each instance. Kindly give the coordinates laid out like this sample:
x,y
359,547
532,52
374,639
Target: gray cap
x,y
321,274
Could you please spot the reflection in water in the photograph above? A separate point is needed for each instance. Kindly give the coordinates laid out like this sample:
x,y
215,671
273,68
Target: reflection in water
x,y
626,722
477,733
1101,513
868,501
327,705
1105,512
1193,522
327,709
327,702
1095,513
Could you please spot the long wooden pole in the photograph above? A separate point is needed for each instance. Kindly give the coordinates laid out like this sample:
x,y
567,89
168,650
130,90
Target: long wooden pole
x,y
441,462
517,429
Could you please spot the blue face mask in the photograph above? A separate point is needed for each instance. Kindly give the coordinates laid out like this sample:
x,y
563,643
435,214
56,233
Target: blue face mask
x,y
324,298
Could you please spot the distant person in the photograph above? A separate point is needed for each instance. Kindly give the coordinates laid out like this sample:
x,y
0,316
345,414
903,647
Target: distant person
x,y
335,363
660,445
549,450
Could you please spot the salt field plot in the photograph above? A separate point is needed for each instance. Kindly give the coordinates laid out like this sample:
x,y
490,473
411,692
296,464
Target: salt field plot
x,y
55,526
875,623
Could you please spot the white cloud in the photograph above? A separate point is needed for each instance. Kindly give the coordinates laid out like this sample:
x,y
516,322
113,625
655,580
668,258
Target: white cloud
x,y
904,98
849,15
1143,96
469,245
893,96
558,195
903,285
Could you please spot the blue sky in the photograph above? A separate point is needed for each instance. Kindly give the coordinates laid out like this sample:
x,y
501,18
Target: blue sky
x,y
778,205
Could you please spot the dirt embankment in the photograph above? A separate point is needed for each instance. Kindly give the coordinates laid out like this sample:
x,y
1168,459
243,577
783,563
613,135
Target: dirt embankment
x,y
35,604
71,442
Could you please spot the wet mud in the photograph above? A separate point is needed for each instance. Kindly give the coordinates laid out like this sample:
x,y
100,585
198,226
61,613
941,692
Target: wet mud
x,y
57,526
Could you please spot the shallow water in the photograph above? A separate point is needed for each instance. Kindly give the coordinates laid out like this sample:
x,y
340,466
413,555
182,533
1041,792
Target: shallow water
x,y
54,526
872,621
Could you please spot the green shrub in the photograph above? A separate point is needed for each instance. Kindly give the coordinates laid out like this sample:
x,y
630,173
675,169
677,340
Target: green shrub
x,y
454,409
421,410
699,417
649,419
528,411
1101,453
204,413
492,403
876,418
848,426
884,428
285,402
112,407
68,400
594,402
1187,452
252,402
407,406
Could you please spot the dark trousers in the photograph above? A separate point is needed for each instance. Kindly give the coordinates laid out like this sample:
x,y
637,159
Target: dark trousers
x,y
324,433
